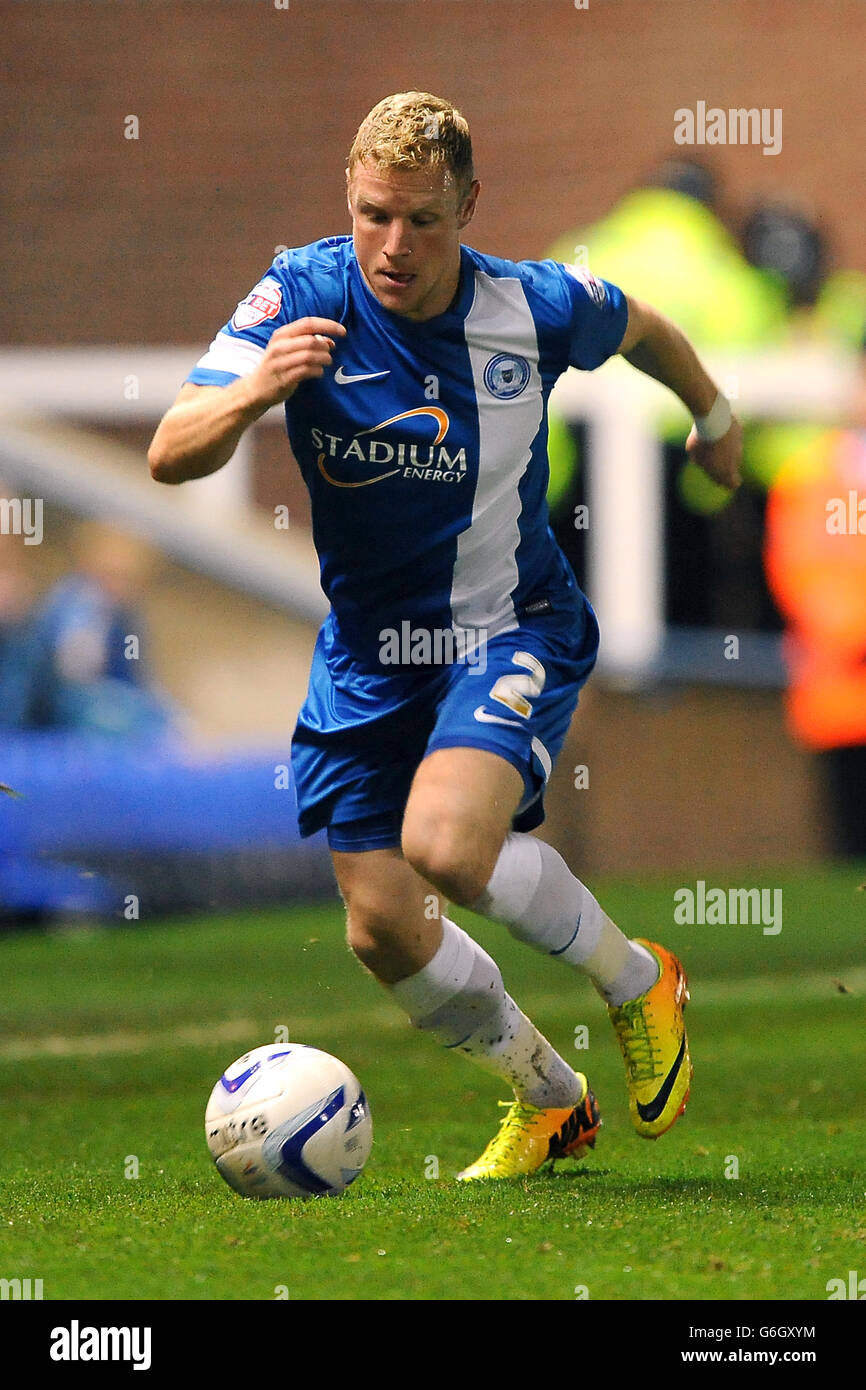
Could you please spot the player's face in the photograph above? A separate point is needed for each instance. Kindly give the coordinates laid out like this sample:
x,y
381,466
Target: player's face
x,y
406,225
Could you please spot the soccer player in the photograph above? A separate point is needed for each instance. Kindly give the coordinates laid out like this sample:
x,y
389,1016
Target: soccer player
x,y
415,373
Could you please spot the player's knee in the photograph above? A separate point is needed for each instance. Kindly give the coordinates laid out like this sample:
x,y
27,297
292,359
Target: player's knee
x,y
450,858
371,926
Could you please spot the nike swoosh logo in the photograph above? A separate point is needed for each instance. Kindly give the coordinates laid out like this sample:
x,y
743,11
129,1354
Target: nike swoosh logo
x,y
343,379
655,1107
483,717
571,938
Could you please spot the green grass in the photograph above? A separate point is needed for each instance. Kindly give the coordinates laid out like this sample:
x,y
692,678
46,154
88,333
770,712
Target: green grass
x,y
111,1042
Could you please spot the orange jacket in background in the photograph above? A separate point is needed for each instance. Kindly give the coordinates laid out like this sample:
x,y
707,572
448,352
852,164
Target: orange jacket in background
x,y
815,557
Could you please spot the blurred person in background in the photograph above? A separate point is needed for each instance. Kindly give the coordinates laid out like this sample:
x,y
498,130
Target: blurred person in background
x,y
824,307
82,664
668,240
17,654
815,547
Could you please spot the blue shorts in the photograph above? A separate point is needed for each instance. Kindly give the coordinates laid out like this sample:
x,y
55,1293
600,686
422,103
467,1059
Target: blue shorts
x,y
361,736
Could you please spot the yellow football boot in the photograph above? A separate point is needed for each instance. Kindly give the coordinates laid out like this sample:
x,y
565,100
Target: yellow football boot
x,y
652,1036
529,1137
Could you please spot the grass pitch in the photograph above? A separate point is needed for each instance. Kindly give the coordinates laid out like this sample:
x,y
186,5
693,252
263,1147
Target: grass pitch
x,y
112,1040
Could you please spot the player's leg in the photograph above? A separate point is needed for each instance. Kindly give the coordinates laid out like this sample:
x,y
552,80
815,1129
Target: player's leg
x,y
447,984
456,833
451,830
353,773
460,809
393,918
450,987
533,892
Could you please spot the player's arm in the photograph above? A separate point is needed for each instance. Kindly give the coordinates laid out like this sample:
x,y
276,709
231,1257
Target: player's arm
x,y
657,347
200,432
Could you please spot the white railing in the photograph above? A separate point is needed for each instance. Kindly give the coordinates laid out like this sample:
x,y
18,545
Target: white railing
x,y
213,527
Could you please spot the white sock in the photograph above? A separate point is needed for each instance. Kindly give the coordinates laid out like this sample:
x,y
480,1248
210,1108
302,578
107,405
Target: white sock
x,y
535,894
459,997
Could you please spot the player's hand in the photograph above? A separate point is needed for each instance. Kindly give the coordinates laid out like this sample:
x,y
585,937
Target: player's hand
x,y
721,459
296,352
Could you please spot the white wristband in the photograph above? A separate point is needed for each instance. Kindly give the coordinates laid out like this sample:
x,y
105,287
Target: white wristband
x,y
717,423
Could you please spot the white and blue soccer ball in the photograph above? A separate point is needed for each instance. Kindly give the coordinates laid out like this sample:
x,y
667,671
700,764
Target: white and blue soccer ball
x,y
288,1121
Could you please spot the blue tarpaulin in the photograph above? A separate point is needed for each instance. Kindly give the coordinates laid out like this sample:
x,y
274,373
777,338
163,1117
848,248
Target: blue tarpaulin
x,y
85,808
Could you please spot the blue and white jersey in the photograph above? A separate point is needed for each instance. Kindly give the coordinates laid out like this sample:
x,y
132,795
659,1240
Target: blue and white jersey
x,y
424,448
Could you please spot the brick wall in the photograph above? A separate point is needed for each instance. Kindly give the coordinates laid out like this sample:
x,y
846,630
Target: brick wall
x,y
246,112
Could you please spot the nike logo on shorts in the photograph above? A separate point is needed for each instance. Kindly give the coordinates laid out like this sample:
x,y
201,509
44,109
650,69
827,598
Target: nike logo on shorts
x,y
484,718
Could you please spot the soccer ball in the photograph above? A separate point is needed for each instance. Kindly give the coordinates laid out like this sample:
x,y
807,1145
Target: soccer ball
x,y
288,1121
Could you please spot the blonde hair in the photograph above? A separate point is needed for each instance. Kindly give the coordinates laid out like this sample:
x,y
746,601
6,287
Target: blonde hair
x,y
414,130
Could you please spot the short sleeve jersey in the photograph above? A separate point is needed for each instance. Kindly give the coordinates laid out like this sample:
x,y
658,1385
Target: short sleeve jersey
x,y
424,447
